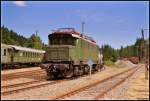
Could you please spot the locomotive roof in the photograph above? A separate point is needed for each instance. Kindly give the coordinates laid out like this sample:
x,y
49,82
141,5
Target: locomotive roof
x,y
89,39
65,31
73,33
27,49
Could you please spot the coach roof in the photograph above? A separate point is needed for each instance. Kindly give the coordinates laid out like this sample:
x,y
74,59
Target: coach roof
x,y
27,49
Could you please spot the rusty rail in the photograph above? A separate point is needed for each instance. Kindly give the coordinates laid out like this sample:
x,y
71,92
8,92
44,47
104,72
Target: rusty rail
x,y
31,87
91,85
19,74
101,95
21,84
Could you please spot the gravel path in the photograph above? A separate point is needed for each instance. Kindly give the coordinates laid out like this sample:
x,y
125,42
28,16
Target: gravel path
x,y
52,91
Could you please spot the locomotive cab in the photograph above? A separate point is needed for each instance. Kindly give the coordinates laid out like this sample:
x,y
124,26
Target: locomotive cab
x,y
59,47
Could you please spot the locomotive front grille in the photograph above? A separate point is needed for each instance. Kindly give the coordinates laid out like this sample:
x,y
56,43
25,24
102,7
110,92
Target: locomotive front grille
x,y
57,53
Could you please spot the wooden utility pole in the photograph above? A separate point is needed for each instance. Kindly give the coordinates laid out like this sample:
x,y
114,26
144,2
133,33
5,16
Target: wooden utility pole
x,y
145,54
137,52
146,62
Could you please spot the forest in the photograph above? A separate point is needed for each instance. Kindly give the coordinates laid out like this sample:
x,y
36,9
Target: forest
x,y
137,49
110,54
10,37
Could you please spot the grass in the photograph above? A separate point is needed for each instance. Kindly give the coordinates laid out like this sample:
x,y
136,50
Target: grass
x,y
142,61
109,63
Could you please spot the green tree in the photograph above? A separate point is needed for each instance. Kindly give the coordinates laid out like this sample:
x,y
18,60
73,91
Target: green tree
x,y
35,42
110,53
121,52
13,38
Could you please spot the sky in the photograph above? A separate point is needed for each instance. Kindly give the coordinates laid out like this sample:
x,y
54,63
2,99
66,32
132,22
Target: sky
x,y
116,23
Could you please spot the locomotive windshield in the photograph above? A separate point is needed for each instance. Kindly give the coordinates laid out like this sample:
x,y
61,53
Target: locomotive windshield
x,y
61,39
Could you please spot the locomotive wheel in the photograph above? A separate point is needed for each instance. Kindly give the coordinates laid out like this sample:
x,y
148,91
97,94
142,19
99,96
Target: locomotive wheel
x,y
76,71
81,71
50,76
86,69
68,73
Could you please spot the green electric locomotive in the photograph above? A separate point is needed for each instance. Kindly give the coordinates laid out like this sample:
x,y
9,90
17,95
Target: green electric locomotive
x,y
68,54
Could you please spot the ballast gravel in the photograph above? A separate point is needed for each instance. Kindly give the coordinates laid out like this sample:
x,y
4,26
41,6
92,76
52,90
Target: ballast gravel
x,y
52,91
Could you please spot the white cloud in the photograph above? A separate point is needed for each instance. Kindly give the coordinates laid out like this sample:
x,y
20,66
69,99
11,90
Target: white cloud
x,y
19,3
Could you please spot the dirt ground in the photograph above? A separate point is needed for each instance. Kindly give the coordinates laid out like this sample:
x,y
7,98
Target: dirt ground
x,y
139,89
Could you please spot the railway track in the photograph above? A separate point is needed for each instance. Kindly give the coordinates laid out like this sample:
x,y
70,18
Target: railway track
x,y
21,74
20,84
98,89
26,86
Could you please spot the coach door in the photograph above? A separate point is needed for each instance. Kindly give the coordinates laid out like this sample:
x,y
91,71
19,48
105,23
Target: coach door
x,y
11,55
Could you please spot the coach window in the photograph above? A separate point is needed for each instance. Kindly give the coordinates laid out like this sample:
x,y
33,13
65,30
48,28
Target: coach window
x,y
4,52
23,53
20,53
32,54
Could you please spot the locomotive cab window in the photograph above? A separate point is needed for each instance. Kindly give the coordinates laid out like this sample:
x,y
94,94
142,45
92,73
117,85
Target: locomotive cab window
x,y
62,40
